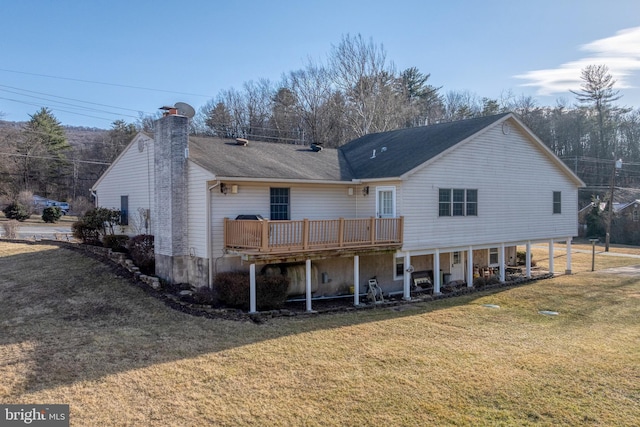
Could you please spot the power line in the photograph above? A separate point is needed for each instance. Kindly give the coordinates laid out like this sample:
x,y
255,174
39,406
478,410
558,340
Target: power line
x,y
104,83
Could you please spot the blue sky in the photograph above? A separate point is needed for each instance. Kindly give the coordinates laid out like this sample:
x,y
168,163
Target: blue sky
x,y
121,57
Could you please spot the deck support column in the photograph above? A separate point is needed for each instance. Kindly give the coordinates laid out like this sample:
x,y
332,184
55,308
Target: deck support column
x,y
528,260
308,283
502,257
551,269
436,272
470,267
252,288
356,280
568,268
407,277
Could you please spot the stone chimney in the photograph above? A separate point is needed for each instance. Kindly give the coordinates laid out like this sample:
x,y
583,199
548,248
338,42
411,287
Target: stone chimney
x,y
170,199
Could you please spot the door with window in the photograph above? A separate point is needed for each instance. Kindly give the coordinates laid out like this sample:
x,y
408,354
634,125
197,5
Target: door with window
x,y
385,208
457,265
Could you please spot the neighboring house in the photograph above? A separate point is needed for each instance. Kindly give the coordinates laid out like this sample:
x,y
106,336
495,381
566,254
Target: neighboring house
x,y
450,198
625,222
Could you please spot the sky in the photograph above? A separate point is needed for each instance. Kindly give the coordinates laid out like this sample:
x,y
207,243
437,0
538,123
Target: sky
x,y
94,62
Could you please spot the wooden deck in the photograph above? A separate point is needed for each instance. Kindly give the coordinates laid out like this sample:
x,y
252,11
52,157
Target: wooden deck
x,y
264,237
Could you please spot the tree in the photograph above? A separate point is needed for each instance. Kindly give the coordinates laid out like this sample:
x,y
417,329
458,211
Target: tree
x,y
423,101
219,121
42,147
597,90
360,70
119,137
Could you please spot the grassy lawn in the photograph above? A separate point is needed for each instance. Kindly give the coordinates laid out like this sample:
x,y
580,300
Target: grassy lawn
x,y
72,332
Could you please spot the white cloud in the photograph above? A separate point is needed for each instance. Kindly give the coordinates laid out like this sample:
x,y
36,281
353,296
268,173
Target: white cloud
x,y
620,53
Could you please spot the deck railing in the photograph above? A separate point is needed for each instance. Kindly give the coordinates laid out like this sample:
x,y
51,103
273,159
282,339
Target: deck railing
x,y
304,235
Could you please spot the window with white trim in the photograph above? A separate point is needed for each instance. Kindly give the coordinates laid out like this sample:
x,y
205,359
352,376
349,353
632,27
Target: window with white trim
x,y
493,256
557,202
457,202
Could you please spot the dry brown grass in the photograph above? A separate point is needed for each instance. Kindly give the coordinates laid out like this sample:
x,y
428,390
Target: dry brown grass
x,y
71,332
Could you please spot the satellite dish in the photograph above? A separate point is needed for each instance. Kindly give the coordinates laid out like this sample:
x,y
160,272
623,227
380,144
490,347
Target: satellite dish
x,y
185,109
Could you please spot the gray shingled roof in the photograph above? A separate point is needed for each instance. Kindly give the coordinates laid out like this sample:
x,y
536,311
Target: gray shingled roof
x,y
398,152
267,160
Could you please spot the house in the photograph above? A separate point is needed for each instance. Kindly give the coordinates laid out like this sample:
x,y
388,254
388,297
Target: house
x,y
450,198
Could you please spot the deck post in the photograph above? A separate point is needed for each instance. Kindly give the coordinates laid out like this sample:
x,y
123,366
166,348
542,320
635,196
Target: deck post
x,y
407,277
308,283
551,269
305,233
264,247
568,268
470,267
372,230
528,260
502,257
356,280
436,272
252,288
341,232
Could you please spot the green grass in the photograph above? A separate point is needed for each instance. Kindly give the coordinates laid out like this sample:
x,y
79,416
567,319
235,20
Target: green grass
x,y
72,332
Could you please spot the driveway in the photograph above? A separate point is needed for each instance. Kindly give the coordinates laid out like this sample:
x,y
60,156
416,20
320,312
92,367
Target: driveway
x,y
38,232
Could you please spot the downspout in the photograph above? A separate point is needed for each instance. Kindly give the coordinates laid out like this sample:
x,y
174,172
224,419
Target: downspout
x,y
208,231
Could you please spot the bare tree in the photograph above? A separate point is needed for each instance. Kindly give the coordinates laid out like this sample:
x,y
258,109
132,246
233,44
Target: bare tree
x,y
360,70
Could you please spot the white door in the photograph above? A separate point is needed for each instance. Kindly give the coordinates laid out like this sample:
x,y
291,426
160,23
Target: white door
x,y
457,266
386,202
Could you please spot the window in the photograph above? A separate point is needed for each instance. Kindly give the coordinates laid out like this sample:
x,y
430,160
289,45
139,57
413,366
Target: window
x,y
635,215
124,210
399,271
472,202
445,203
279,199
457,202
557,202
493,256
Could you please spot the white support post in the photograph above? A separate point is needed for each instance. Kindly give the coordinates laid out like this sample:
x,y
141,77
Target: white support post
x,y
308,283
470,267
528,260
568,268
407,277
502,275
252,288
551,255
356,280
436,272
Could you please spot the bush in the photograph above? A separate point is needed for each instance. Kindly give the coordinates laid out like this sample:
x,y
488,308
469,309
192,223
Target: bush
x,y
233,290
85,232
95,224
116,242
141,251
10,229
51,214
479,282
16,211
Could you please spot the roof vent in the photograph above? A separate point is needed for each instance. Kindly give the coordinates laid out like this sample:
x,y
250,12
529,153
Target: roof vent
x,y
316,146
242,141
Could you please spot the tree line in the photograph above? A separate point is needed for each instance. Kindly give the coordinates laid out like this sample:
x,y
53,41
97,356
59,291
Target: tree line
x,y
356,91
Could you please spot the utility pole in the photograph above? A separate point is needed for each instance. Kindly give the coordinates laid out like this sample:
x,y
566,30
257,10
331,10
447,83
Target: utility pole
x,y
617,164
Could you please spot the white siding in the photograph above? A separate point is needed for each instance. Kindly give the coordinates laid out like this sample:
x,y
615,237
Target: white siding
x,y
515,182
197,209
131,174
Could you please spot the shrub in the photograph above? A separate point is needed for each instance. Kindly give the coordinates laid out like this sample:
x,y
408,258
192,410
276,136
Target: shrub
x,y
233,290
16,211
95,224
86,233
116,242
141,251
479,282
11,229
206,296
51,214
